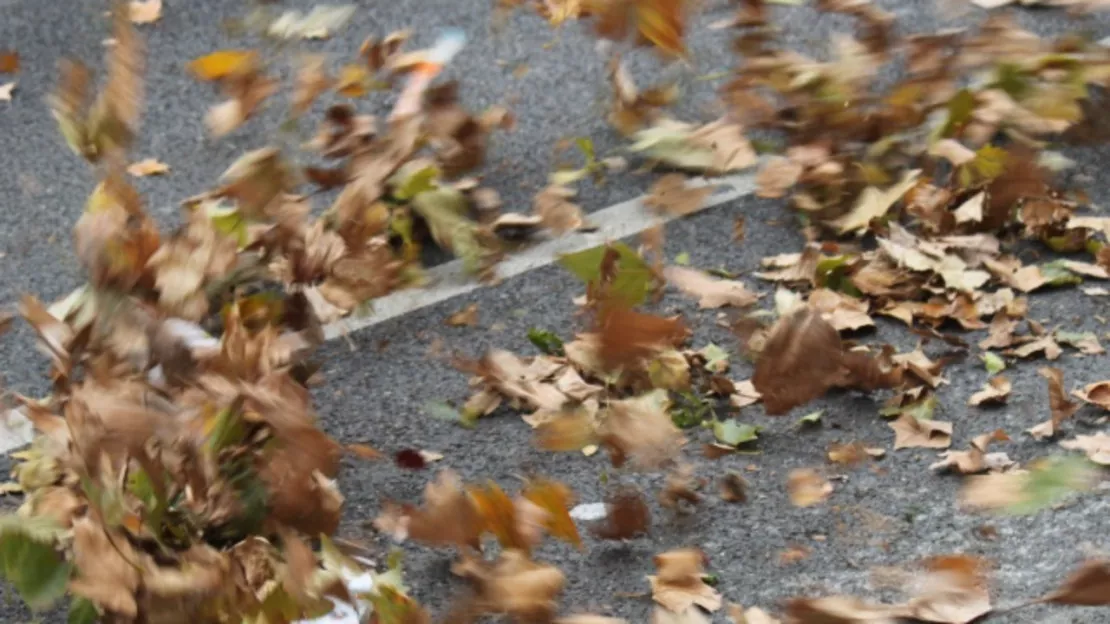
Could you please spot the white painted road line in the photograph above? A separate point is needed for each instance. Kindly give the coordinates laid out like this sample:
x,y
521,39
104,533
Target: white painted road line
x,y
618,221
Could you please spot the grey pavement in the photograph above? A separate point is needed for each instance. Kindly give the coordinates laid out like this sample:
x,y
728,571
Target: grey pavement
x,y
379,381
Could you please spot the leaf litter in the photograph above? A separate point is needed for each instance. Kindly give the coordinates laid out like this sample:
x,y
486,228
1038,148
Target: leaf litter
x,y
180,441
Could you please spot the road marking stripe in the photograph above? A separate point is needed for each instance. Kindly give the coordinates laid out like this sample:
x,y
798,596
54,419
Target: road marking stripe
x,y
450,280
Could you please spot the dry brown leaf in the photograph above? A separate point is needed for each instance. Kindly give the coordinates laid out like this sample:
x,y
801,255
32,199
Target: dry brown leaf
x,y
144,11
670,195
678,585
710,291
953,591
976,459
147,167
1058,403
804,357
734,488
641,430
515,586
1088,586
1096,446
745,394
842,610
1097,393
9,62
1045,344
466,317
911,432
449,516
776,177
996,390
627,337
843,312
627,515
753,615
874,203
553,206
807,487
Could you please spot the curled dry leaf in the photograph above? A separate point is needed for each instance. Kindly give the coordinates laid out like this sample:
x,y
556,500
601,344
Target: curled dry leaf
x,y
513,585
996,390
678,584
710,291
843,312
1058,403
807,487
466,317
1097,393
912,432
976,459
641,431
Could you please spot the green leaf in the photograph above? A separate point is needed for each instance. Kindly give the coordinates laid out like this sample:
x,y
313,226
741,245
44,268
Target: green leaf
x,y
960,108
993,362
811,419
921,410
733,433
832,273
566,177
226,431
82,611
716,358
440,410
1050,481
443,209
413,178
682,259
546,341
633,278
587,148
1056,274
670,145
30,561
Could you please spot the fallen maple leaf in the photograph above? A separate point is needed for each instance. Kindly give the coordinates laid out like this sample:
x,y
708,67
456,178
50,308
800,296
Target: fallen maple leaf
x,y
1088,586
807,487
144,11
874,203
976,459
678,585
1096,446
147,167
710,291
804,357
911,432
996,390
953,591
670,195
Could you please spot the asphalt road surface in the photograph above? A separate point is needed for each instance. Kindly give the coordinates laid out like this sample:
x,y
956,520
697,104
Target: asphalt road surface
x,y
380,377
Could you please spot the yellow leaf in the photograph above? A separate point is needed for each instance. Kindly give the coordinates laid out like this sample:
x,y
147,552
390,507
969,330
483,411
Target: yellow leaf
x,y
354,81
221,64
663,23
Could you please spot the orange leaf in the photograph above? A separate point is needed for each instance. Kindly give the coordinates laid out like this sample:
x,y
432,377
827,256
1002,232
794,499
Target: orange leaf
x,y
663,24
498,515
221,64
556,499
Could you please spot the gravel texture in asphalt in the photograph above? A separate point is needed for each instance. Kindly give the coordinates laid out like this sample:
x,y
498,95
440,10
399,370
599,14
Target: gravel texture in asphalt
x,y
378,382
